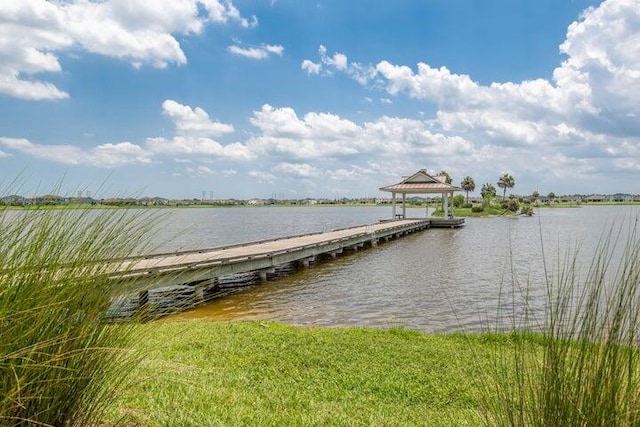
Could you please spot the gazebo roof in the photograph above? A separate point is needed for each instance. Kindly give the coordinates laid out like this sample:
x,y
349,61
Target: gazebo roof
x,y
421,182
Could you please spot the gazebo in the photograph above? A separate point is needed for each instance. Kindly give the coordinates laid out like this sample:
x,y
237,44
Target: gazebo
x,y
422,183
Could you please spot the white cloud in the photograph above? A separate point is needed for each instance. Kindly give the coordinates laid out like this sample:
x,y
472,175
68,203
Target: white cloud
x,y
315,135
355,172
262,177
33,32
199,171
194,132
3,154
299,170
311,67
260,52
193,140
338,62
105,155
199,146
193,121
322,137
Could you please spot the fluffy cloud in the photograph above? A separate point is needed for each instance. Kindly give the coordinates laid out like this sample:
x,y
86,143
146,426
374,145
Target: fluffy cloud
x,y
309,147
141,32
262,177
105,155
311,67
199,171
260,52
320,150
603,65
199,146
322,136
194,132
338,62
298,170
193,121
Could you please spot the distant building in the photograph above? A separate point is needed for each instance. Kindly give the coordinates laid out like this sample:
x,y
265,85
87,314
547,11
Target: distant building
x,y
621,197
596,198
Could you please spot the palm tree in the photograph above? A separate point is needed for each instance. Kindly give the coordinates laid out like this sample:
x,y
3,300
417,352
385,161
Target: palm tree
x,y
488,192
506,181
468,184
535,195
448,178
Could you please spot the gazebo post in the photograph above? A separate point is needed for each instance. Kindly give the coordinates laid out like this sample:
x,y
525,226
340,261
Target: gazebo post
x,y
445,196
452,206
404,206
393,204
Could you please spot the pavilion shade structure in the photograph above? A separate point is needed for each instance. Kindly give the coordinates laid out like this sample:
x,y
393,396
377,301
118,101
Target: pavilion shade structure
x,y
421,183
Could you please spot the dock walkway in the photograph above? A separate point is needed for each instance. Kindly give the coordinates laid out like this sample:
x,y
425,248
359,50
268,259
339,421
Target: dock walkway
x,y
197,265
198,271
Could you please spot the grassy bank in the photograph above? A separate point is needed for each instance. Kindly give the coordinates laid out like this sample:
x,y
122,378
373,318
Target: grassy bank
x,y
244,373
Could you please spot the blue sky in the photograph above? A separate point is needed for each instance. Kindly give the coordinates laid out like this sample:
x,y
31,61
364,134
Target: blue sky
x,y
322,98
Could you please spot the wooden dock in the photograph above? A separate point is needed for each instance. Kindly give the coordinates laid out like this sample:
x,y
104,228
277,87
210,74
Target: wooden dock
x,y
198,271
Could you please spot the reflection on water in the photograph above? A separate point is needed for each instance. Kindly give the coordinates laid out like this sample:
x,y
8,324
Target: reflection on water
x,y
436,280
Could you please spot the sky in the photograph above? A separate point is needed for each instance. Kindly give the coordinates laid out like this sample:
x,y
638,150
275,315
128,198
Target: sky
x,y
324,98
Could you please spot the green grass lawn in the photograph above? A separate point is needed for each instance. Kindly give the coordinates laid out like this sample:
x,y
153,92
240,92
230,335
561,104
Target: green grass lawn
x,y
200,372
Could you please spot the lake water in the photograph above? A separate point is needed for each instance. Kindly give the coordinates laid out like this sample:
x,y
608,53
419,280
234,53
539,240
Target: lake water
x,y
436,280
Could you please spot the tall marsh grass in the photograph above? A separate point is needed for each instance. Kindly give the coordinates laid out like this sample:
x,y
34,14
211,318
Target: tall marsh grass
x,y
580,364
60,362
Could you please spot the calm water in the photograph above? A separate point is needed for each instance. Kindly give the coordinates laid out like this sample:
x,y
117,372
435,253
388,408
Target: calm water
x,y
436,280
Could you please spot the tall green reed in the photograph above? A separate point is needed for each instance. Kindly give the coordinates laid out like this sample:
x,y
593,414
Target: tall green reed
x,y
60,362
579,365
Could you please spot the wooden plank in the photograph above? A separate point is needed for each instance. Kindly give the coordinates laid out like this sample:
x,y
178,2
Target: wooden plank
x,y
165,263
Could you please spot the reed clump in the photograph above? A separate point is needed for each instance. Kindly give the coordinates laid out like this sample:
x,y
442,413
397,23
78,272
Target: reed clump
x,y
581,367
60,361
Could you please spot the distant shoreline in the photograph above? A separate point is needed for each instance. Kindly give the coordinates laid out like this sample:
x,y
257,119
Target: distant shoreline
x,y
205,205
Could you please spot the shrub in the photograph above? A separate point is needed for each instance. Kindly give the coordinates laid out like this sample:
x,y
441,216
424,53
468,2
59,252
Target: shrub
x,y
584,367
511,205
526,210
59,360
477,208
